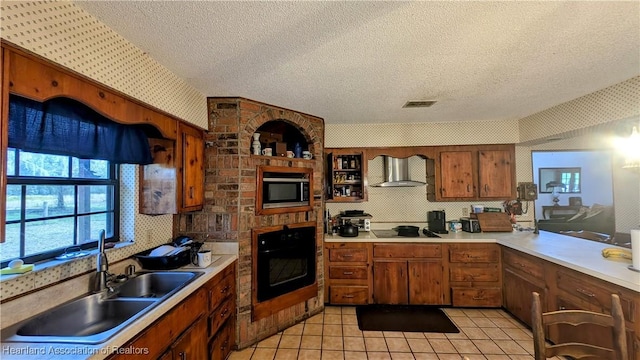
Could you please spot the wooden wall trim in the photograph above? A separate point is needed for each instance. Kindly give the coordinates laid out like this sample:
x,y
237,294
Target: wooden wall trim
x,y
38,78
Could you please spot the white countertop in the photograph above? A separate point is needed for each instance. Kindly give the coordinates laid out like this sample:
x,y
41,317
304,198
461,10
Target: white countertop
x,y
58,351
574,253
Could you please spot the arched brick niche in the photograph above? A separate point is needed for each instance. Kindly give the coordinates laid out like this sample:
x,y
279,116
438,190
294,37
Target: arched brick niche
x,y
229,213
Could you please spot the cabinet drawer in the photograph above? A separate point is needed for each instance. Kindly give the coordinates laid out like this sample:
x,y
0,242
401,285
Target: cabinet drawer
x,y
481,297
523,264
481,253
349,294
407,251
485,272
220,291
348,272
348,255
599,297
217,318
220,346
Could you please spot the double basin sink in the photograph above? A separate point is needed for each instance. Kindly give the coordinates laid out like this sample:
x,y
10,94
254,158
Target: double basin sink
x,y
94,318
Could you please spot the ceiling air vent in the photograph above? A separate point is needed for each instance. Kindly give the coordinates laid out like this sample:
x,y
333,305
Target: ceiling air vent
x,y
418,103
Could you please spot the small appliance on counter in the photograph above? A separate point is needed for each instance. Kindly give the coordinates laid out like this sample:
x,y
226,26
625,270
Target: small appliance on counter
x,y
436,221
470,225
357,218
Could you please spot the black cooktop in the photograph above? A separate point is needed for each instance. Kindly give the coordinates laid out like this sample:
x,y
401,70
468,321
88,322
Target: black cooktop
x,y
394,234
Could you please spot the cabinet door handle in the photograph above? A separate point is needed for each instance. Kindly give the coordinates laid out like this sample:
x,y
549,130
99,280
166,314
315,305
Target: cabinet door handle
x,y
562,308
347,255
347,273
183,355
486,188
224,312
225,289
585,292
479,297
348,296
468,188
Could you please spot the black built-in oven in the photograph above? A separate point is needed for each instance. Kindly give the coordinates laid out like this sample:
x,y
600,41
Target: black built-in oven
x,y
286,261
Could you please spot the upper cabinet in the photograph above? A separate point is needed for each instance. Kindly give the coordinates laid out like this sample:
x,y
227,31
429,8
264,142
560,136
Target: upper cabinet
x,y
496,173
191,173
346,175
174,183
456,175
473,172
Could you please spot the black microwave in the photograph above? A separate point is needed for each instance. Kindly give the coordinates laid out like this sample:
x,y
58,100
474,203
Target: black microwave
x,y
283,189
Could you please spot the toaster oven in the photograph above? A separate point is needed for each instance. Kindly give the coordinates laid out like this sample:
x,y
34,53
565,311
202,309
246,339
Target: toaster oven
x,y
470,225
363,222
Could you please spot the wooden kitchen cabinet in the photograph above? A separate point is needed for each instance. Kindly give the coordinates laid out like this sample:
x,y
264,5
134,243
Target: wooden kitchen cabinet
x,y
190,345
564,288
221,313
346,175
201,326
160,338
174,183
576,291
348,273
190,154
456,175
522,275
475,276
473,172
408,273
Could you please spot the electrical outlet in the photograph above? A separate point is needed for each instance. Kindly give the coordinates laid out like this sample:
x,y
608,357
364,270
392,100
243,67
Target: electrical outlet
x,y
149,233
465,211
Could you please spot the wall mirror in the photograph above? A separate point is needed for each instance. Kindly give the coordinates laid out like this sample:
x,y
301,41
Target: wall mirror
x,y
563,179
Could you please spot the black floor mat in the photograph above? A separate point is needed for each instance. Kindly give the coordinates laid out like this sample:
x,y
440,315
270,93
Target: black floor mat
x,y
408,318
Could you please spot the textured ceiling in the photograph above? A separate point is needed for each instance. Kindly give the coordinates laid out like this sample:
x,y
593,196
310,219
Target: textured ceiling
x,y
359,62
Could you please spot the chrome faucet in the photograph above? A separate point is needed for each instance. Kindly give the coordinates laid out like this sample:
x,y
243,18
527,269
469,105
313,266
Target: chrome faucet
x,y
103,278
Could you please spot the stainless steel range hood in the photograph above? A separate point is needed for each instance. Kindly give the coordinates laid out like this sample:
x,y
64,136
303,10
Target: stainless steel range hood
x,y
396,173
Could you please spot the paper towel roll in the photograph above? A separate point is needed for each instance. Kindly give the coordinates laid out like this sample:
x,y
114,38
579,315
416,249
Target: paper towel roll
x,y
635,248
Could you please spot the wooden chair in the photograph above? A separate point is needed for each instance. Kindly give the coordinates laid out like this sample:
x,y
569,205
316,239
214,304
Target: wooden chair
x,y
615,321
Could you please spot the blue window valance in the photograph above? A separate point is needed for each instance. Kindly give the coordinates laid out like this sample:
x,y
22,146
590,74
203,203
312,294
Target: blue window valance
x,y
63,126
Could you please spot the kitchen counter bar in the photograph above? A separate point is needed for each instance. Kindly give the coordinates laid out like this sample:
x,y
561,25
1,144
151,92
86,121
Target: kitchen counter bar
x,y
574,253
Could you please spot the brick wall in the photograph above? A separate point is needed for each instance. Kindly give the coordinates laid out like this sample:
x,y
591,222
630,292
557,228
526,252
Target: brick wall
x,y
230,195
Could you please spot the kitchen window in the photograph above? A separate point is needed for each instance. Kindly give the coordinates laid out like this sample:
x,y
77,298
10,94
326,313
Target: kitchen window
x,y
62,183
57,203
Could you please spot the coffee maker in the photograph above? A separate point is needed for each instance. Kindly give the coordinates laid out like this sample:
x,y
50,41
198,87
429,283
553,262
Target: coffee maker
x,y
437,222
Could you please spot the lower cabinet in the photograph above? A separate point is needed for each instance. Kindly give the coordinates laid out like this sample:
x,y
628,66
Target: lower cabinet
x,y
164,335
347,273
408,274
563,288
200,327
517,295
190,345
576,291
474,275
522,275
221,315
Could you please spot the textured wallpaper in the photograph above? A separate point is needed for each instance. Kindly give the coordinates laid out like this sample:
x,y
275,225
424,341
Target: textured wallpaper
x,y
66,34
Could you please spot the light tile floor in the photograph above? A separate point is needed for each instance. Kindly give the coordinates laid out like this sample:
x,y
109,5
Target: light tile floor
x,y
490,334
